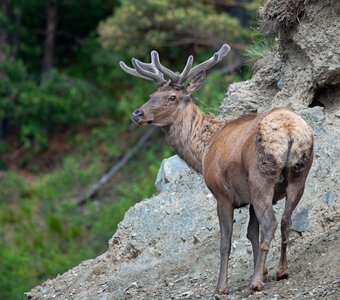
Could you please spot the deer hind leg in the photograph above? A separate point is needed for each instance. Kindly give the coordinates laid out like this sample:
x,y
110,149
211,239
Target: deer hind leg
x,y
294,193
253,236
262,196
225,213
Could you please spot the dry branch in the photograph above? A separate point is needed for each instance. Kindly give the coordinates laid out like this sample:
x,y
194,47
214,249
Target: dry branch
x,y
116,167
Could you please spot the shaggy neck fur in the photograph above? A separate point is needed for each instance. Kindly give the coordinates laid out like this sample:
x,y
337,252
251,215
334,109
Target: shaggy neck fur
x,y
191,134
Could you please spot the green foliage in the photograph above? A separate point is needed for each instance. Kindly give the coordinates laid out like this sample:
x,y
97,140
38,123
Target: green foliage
x,y
104,226
262,47
12,187
138,26
13,81
71,177
39,110
211,95
13,265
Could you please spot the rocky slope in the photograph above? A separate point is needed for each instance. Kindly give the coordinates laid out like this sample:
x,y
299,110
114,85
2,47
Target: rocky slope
x,y
167,247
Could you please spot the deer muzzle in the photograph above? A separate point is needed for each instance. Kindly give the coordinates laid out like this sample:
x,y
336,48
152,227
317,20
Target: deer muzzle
x,y
138,117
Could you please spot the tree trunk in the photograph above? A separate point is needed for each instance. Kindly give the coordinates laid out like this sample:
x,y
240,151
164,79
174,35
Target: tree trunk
x,y
51,25
4,8
15,37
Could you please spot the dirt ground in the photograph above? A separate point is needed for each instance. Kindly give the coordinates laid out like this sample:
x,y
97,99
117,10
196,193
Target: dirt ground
x,y
314,274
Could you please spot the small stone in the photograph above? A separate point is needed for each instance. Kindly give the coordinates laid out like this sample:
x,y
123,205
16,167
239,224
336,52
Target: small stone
x,y
300,220
29,295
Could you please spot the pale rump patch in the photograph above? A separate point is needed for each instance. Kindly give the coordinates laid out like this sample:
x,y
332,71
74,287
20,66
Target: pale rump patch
x,y
281,127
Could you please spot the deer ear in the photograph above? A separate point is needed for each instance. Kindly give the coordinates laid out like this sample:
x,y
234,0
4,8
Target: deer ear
x,y
196,82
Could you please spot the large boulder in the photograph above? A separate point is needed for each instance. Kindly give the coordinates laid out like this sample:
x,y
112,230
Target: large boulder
x,y
167,247
171,169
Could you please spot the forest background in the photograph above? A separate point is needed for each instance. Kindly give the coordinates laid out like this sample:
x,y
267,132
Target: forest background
x,y
65,109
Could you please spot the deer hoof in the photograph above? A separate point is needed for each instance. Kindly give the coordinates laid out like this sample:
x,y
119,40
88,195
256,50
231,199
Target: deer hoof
x,y
255,286
221,290
282,274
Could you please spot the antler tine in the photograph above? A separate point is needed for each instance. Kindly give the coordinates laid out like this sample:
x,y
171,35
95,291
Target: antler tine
x,y
172,75
155,77
151,67
155,71
186,70
143,70
147,66
132,71
217,57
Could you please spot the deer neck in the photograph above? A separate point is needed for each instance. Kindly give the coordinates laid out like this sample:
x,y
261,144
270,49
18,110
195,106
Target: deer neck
x,y
191,135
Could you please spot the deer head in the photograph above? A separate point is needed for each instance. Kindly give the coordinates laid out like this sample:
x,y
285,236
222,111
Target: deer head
x,y
172,94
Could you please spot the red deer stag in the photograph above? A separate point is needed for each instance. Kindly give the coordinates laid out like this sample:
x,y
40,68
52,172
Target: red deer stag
x,y
256,159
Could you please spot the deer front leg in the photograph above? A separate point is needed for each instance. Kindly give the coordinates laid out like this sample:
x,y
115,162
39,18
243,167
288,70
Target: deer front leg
x,y
225,213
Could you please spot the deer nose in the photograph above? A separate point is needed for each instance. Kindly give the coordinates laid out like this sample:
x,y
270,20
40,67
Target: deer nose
x,y
138,113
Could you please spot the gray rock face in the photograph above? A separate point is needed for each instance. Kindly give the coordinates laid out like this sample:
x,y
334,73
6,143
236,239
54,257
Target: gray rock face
x,y
304,69
171,169
167,247
300,221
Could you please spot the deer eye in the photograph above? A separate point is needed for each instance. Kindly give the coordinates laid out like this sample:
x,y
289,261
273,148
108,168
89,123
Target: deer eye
x,y
172,98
